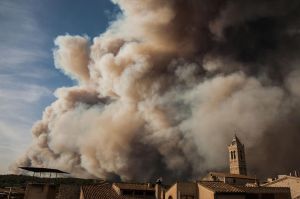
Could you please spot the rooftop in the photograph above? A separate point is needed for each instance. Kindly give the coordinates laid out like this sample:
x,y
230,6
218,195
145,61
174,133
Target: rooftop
x,y
103,191
261,189
135,186
230,175
235,140
220,187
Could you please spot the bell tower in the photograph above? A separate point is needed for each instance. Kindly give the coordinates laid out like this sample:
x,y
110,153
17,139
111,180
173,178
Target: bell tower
x,y
237,159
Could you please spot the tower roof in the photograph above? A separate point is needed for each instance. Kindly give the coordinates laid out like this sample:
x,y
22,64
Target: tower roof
x,y
235,140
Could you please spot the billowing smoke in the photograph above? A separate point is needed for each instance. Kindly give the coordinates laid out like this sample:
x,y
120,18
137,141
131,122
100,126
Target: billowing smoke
x,y
164,89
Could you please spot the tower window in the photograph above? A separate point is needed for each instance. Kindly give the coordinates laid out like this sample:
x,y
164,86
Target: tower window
x,y
232,155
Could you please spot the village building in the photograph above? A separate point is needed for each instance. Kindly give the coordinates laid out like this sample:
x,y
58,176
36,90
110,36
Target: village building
x,y
182,190
220,190
293,182
234,185
230,178
40,191
68,191
123,191
215,185
135,189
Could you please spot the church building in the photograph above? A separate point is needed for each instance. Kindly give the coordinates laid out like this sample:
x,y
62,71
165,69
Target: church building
x,y
237,166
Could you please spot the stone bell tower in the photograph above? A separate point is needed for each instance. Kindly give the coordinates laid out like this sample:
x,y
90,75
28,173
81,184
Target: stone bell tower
x,y
237,159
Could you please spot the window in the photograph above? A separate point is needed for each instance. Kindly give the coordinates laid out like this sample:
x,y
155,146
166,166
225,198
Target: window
x,y
139,192
127,192
233,155
150,193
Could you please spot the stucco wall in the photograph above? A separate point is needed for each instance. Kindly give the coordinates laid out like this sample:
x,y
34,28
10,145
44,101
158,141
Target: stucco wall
x,y
189,189
172,192
205,193
293,183
40,191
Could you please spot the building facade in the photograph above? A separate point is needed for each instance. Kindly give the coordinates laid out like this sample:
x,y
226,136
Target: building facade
x,y
182,190
221,190
293,182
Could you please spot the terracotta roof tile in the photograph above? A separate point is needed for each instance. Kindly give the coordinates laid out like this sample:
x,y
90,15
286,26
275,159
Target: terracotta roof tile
x,y
135,186
102,191
228,188
221,187
265,189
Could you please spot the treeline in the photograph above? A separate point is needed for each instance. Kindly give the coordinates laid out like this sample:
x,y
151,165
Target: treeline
x,y
22,180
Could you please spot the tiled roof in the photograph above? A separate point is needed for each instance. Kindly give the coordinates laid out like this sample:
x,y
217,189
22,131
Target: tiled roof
x,y
221,187
266,189
102,191
135,186
227,188
230,175
236,140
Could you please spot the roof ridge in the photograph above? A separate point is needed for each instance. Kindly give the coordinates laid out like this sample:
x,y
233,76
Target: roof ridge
x,y
232,175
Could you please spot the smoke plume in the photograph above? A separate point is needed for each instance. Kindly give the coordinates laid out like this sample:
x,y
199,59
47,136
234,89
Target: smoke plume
x,y
164,89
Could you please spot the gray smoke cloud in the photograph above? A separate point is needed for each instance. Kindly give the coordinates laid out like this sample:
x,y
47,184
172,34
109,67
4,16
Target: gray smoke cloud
x,y
163,90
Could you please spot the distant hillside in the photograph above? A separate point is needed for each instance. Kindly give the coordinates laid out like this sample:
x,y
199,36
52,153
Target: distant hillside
x,y
22,180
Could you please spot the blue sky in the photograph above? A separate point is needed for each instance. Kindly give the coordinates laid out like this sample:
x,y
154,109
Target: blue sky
x,y
27,72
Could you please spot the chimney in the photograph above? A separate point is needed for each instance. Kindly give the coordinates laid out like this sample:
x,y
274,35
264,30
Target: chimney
x,y
269,179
